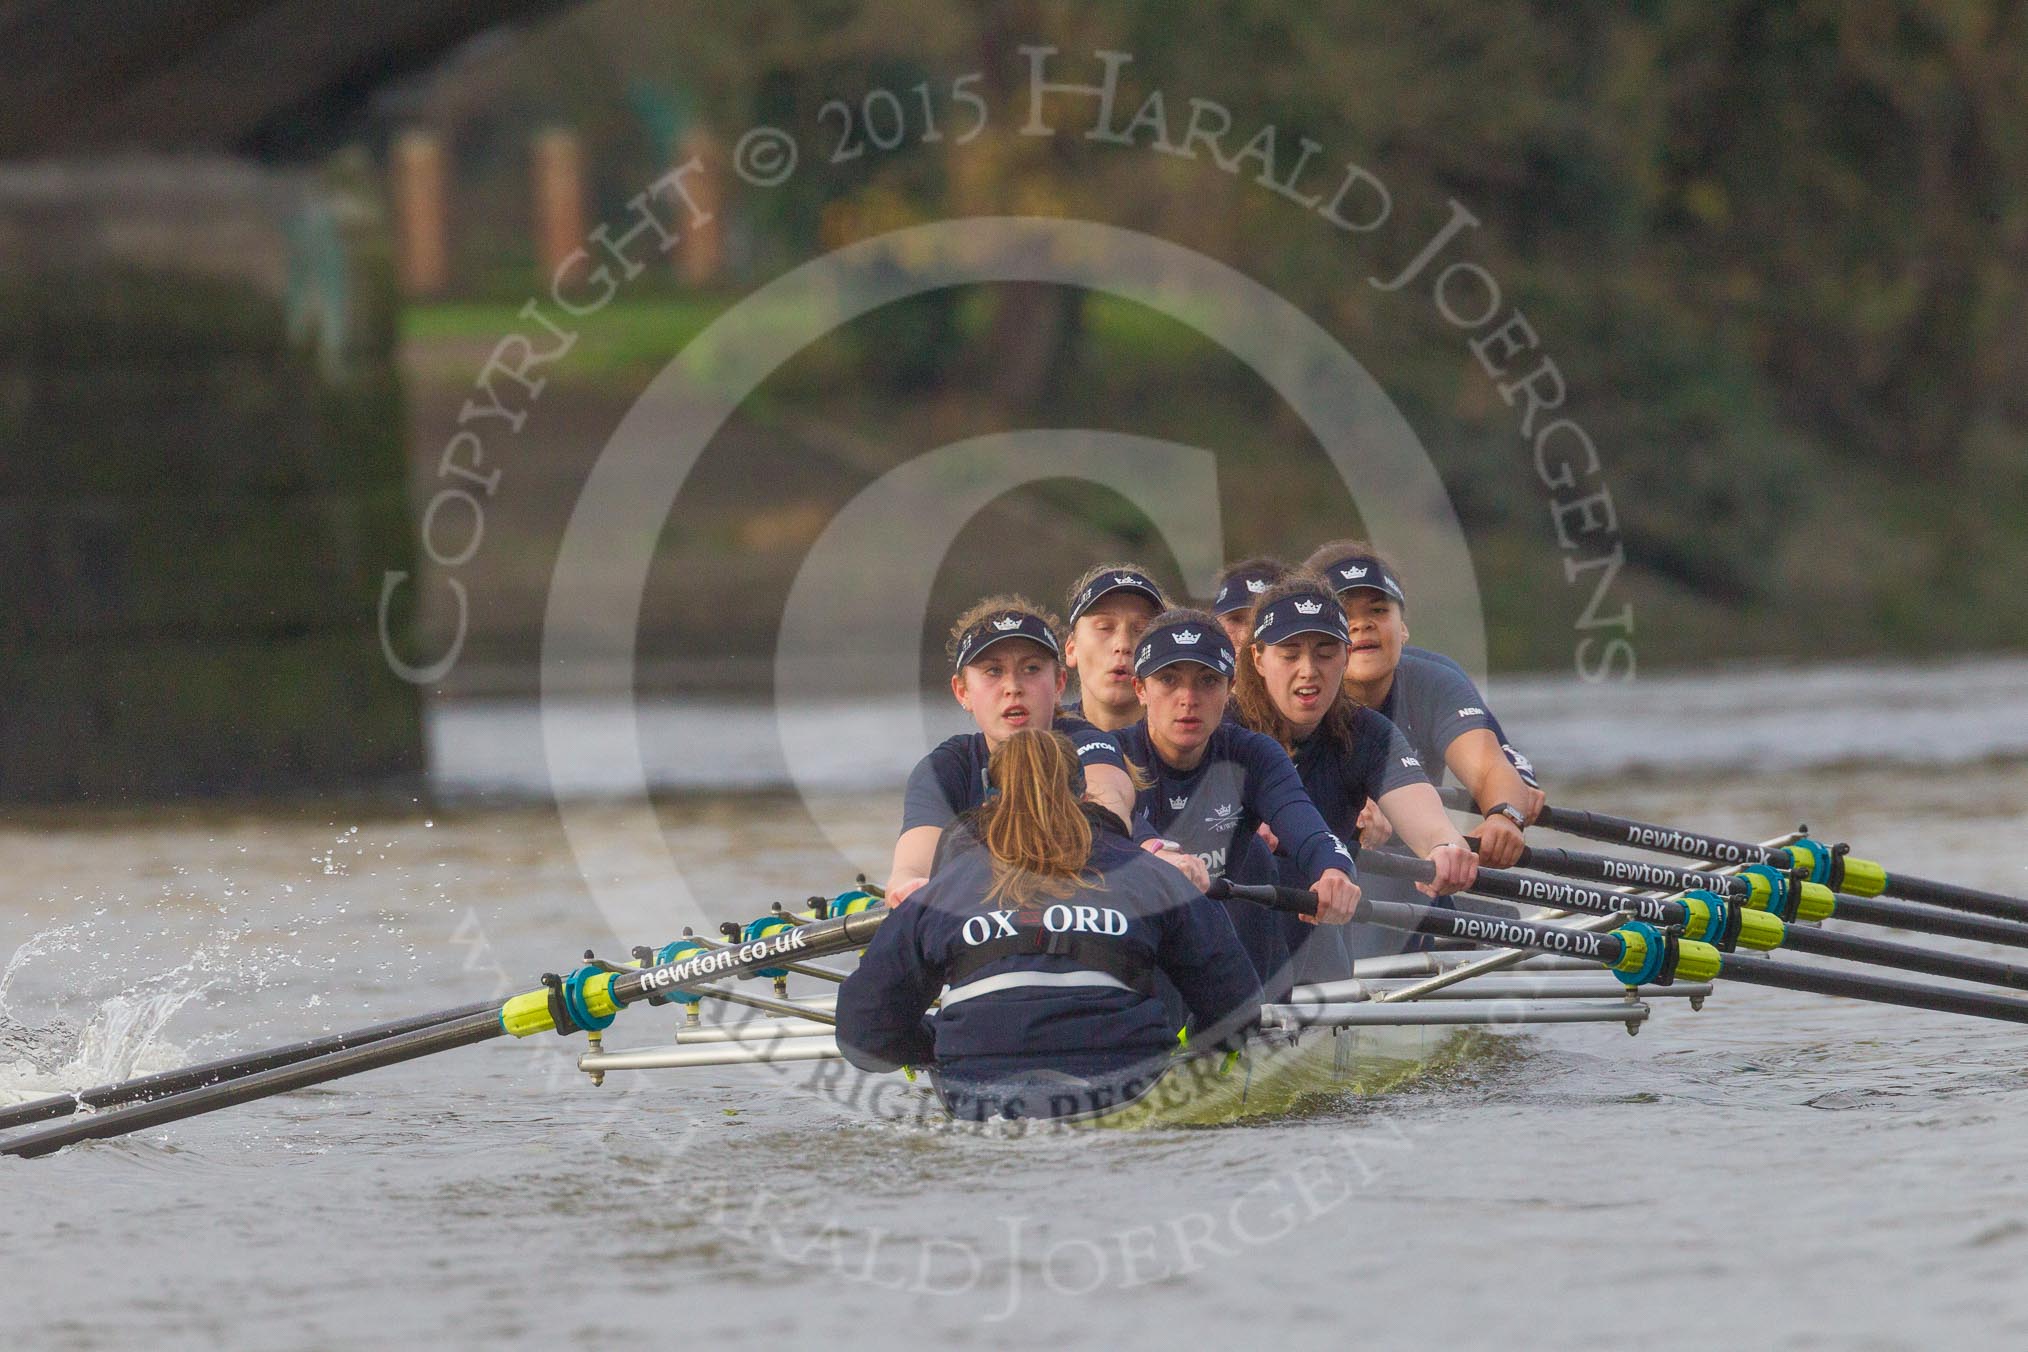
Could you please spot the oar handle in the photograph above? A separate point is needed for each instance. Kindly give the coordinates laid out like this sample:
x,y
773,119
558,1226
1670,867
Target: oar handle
x,y
1294,900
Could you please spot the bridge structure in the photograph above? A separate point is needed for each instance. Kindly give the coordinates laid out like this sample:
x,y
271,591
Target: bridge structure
x,y
203,481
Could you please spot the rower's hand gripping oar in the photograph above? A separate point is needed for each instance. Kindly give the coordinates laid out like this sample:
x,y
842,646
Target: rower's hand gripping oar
x,y
588,999
1831,865
1638,953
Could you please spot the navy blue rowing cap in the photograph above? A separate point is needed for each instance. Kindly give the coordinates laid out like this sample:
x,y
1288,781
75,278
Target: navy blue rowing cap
x,y
1300,613
1117,579
1004,625
1205,644
1242,588
1363,570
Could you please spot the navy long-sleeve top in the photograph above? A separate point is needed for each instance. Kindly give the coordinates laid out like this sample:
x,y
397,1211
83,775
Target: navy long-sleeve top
x,y
951,779
1214,811
1215,808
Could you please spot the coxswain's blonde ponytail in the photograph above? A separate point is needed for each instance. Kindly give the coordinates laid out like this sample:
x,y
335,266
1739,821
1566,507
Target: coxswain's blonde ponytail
x,y
1037,835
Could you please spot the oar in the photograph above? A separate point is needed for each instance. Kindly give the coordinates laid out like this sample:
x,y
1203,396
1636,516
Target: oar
x,y
1759,883
588,999
225,1068
1723,922
1641,955
1638,952
1829,865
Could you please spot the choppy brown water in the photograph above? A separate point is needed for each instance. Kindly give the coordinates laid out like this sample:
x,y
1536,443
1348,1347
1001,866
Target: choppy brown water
x,y
1774,1171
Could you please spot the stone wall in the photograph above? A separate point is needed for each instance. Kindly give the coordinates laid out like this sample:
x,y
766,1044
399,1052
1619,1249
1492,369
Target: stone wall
x,y
201,483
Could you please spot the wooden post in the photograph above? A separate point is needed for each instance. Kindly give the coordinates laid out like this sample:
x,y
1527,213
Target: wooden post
x,y
700,255
558,162
421,206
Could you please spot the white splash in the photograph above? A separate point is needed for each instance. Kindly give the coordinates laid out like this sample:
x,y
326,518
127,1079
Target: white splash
x,y
122,1036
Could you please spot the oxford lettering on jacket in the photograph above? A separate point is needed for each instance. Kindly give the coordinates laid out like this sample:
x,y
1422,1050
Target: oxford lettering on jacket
x,y
1057,919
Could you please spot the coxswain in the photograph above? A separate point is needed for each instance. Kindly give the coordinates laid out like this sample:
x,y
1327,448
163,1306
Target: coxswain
x,y
1291,687
1044,929
1109,608
1213,783
1008,675
1428,697
1237,590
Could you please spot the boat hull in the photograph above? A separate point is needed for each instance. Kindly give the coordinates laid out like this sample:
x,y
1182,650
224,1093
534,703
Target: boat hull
x,y
1272,1079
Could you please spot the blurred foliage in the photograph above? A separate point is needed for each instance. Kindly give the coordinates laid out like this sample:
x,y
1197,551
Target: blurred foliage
x,y
1778,250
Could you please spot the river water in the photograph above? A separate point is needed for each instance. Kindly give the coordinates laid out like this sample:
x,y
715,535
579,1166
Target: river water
x,y
1776,1170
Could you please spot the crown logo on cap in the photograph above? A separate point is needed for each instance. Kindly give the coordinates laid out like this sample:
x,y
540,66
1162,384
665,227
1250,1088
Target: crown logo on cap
x,y
1257,585
1008,625
1125,580
1357,570
1308,607
1187,636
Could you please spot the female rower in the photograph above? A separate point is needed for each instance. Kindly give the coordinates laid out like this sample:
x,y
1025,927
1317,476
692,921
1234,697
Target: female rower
x,y
1048,926
1428,697
1214,783
1110,607
1291,687
1008,675
1238,590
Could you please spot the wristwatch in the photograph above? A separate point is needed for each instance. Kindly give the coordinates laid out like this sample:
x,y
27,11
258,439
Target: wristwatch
x,y
1511,813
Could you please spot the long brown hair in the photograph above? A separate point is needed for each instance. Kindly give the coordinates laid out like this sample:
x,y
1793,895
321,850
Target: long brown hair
x,y
1035,831
1257,708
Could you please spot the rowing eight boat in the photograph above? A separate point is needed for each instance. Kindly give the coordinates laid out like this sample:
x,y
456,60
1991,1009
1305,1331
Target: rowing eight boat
x,y
1345,1038
1402,1017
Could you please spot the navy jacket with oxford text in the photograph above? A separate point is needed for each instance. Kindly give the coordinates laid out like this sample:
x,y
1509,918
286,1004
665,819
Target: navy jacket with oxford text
x,y
1039,1010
